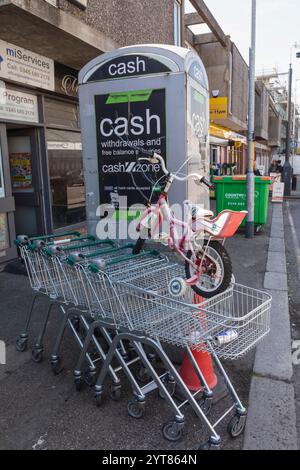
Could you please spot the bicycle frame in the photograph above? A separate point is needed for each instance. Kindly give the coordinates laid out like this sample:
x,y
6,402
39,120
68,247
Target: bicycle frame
x,y
161,212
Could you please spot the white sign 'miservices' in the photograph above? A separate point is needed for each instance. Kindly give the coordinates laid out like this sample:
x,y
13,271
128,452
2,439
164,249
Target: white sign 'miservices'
x,y
18,106
20,65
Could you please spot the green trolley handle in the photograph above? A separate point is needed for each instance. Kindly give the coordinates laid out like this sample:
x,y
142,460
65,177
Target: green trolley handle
x,y
75,259
88,245
59,235
94,268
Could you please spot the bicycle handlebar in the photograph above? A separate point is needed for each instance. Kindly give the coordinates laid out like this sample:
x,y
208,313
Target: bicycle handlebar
x,y
155,158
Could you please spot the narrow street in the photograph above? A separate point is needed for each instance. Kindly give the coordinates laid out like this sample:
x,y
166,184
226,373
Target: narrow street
x,y
292,242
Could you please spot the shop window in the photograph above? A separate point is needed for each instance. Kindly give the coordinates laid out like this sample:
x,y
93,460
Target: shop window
x,y
66,177
62,114
4,239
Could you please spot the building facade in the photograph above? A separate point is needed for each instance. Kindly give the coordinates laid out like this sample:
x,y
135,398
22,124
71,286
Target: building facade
x,y
43,45
228,81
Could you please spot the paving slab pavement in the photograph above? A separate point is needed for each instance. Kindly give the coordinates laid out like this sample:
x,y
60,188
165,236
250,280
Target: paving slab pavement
x,y
276,262
272,415
271,423
273,355
276,281
277,245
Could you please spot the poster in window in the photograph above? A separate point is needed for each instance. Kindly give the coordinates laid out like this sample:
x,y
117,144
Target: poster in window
x,y
21,171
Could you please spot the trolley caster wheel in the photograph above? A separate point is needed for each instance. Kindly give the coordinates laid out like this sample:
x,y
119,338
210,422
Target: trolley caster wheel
x,y
170,386
56,366
136,409
172,431
98,399
125,356
90,378
37,355
152,358
206,405
236,425
78,383
21,344
115,393
143,375
76,324
209,445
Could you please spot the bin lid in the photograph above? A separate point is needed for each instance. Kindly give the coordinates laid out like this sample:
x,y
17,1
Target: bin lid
x,y
241,178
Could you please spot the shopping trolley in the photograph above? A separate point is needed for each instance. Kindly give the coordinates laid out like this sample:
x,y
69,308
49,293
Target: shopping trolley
x,y
44,277
144,313
75,269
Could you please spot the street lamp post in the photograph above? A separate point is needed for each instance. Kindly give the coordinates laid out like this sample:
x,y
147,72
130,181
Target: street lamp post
x,y
295,135
251,129
287,168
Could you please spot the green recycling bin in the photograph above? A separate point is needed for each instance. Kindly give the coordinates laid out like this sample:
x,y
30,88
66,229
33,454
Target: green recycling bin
x,y
231,193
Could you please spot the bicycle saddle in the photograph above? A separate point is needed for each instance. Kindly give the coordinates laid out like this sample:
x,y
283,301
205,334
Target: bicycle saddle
x,y
197,211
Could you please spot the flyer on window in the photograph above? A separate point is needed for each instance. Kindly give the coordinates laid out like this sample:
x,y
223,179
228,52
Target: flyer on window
x,y
21,171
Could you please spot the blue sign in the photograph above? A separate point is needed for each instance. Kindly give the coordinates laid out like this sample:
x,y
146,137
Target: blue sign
x,y
294,144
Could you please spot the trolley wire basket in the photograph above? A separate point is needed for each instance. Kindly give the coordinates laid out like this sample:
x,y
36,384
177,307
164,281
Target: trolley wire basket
x,y
233,322
135,295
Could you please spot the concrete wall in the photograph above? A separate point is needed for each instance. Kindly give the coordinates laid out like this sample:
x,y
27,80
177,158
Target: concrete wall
x,y
228,72
216,60
275,123
128,22
261,111
240,81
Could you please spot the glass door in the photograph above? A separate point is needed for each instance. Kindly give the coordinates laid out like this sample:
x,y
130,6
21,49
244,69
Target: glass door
x,y
7,226
25,180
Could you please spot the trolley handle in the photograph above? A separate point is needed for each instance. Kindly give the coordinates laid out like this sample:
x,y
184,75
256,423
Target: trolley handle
x,y
60,235
131,256
84,245
101,264
77,257
106,251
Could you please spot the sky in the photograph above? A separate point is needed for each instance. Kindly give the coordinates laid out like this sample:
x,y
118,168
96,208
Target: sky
x,y
278,28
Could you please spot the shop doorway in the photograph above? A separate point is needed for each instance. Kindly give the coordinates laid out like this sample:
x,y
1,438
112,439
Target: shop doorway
x,y
7,204
24,159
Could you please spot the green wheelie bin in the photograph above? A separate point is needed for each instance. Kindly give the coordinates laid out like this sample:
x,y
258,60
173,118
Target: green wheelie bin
x,y
231,193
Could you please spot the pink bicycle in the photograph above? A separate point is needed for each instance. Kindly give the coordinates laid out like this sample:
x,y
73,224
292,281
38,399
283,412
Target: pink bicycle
x,y
208,266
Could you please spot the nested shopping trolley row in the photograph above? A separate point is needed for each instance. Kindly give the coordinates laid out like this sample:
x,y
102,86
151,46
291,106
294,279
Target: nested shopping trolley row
x,y
122,315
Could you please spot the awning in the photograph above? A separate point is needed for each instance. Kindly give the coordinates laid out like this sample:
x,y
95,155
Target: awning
x,y
227,134
218,141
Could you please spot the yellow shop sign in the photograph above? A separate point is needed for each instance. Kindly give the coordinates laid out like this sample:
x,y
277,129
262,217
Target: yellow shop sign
x,y
218,108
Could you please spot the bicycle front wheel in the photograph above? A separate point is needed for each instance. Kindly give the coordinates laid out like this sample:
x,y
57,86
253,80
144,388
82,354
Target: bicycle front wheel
x,y
216,270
